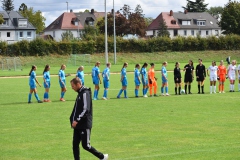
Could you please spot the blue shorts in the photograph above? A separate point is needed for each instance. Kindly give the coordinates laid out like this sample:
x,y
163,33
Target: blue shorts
x,y
32,85
61,85
145,82
124,82
46,86
164,80
96,81
106,83
137,83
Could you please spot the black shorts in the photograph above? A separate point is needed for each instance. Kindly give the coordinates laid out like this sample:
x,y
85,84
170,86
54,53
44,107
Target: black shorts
x,y
188,78
177,80
200,78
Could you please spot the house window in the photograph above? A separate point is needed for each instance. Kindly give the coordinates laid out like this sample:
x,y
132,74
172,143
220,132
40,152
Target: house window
x,y
8,34
175,32
5,23
217,33
185,32
53,33
207,33
76,23
22,23
186,22
90,23
201,23
29,34
21,34
192,32
0,34
173,22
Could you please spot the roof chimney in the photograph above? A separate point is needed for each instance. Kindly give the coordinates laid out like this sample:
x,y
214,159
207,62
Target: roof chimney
x,y
185,11
112,11
92,11
71,10
171,13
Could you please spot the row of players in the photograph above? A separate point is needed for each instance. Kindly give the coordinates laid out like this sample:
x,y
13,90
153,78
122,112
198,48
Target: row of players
x,y
144,77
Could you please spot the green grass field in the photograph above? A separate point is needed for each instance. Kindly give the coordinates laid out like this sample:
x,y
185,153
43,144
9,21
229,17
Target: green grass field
x,y
189,127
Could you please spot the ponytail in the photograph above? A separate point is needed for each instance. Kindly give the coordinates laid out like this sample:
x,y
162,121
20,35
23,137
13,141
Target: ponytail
x,y
33,67
124,64
45,69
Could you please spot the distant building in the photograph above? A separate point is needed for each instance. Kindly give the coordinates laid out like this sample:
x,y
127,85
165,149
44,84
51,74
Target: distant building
x,y
186,24
16,28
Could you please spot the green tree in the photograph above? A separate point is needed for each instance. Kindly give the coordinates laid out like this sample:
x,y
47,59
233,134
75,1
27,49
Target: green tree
x,y
89,32
230,20
215,10
34,17
197,6
163,32
148,20
126,11
139,10
7,5
67,36
1,19
23,7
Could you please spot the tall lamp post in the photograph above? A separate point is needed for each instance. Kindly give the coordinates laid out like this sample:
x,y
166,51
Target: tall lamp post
x,y
114,35
106,44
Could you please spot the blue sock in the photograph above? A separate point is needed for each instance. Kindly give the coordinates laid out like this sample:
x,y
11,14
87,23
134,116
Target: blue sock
x,y
120,92
125,93
36,95
146,90
166,89
106,93
47,95
136,92
62,94
95,93
161,89
29,97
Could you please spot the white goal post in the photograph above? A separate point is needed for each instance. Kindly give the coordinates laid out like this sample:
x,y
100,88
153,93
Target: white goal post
x,y
11,63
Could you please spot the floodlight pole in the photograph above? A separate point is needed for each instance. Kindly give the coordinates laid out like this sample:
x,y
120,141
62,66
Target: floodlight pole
x,y
67,6
106,45
114,35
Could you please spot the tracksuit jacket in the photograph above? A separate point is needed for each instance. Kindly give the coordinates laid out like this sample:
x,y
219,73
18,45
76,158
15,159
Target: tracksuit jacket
x,y
82,110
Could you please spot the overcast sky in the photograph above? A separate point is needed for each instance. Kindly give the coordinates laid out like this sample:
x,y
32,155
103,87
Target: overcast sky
x,y
52,9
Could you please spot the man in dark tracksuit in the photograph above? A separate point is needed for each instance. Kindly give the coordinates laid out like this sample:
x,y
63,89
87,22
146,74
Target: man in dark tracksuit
x,y
81,120
200,74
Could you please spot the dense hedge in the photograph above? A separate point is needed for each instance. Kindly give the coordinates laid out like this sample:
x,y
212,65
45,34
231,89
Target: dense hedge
x,y
40,47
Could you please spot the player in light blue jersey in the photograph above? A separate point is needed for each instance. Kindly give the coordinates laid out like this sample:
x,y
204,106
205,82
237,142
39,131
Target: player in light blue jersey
x,y
46,83
164,79
137,79
62,81
32,83
96,80
124,81
144,79
80,74
106,76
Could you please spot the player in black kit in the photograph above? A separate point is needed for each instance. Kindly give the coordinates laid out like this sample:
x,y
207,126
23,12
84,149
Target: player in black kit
x,y
200,74
177,78
188,76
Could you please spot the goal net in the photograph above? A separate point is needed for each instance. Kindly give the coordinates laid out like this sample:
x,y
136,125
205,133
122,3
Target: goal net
x,y
11,63
79,60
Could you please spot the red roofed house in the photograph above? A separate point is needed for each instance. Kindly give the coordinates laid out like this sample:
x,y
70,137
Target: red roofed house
x,y
186,24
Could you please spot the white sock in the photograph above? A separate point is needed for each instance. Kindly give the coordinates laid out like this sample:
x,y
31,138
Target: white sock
x,y
214,88
230,87
210,89
233,87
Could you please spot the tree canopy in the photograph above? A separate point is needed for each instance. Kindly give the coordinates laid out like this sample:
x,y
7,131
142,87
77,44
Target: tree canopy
x,y
215,10
197,6
163,32
126,22
230,20
1,19
23,7
7,5
34,17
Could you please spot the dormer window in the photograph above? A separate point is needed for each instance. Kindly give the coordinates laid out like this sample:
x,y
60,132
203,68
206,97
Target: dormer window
x,y
186,22
201,23
76,23
5,23
173,22
22,23
90,23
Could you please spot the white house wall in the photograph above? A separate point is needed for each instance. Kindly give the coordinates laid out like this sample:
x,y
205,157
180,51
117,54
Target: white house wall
x,y
4,35
57,36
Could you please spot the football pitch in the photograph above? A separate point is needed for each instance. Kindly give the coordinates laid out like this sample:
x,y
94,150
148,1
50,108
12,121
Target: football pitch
x,y
189,127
